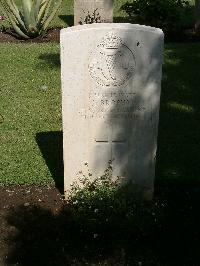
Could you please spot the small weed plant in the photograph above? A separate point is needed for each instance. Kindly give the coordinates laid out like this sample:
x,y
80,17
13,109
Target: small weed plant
x,y
95,194
104,209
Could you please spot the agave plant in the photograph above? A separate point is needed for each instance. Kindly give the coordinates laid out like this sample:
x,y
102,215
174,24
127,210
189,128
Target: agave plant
x,y
33,18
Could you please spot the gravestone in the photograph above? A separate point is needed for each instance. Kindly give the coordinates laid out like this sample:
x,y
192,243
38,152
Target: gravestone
x,y
111,84
93,11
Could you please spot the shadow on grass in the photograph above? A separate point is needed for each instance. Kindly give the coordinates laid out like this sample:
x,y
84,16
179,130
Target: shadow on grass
x,y
178,153
49,59
51,146
68,19
165,233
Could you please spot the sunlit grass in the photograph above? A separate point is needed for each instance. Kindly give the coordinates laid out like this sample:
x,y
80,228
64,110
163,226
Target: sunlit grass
x,y
29,103
180,107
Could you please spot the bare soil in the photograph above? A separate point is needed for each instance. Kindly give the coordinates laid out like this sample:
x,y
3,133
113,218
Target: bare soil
x,y
37,227
24,198
52,35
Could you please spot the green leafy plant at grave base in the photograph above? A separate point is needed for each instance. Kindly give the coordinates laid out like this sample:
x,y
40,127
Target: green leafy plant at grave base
x,y
93,190
33,18
102,206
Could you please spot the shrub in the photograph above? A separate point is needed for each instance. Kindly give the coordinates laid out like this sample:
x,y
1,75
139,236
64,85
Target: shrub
x,y
89,193
104,210
168,15
33,18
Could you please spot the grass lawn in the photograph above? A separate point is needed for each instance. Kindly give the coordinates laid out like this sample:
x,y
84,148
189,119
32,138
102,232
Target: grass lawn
x,y
29,104
30,115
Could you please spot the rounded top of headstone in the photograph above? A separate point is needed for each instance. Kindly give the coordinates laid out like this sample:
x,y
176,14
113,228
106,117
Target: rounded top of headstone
x,y
124,26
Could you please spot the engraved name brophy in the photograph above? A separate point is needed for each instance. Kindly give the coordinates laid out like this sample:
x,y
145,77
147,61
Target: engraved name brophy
x,y
113,105
112,63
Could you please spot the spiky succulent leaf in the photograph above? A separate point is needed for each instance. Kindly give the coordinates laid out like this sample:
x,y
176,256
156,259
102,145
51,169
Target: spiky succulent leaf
x,y
7,11
52,15
27,6
33,18
47,9
38,6
12,2
9,8
13,21
42,10
18,30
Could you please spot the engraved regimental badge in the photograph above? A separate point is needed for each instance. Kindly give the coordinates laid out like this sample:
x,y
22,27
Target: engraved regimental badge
x,y
112,63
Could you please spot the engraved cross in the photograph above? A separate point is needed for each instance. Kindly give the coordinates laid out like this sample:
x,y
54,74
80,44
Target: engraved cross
x,y
112,139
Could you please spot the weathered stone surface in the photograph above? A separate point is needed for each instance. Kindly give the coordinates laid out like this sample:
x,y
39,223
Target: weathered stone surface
x,y
93,11
111,83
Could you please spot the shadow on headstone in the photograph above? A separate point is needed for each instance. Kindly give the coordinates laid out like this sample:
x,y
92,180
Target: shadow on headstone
x,y
68,19
143,142
50,144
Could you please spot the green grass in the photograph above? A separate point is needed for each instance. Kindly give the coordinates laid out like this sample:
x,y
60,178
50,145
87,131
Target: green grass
x,y
30,115
29,103
179,130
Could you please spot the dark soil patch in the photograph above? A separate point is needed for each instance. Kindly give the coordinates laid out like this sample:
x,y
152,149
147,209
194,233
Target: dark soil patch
x,y
52,35
37,227
27,197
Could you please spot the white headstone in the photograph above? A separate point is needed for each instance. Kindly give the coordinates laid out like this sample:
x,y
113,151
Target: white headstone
x,y
93,11
111,83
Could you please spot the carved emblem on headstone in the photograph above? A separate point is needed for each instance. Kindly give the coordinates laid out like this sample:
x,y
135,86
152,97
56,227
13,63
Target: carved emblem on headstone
x,y
112,63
